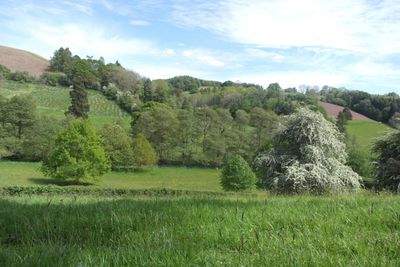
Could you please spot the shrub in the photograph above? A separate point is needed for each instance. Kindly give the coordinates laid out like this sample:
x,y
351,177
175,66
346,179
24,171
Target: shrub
x,y
77,155
53,78
118,145
237,175
143,153
387,149
307,155
4,72
21,76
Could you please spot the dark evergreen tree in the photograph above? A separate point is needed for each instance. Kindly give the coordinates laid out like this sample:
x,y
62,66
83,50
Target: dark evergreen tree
x,y
147,91
79,103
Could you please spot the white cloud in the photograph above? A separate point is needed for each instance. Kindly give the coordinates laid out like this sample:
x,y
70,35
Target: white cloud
x,y
356,25
169,52
259,53
203,57
139,22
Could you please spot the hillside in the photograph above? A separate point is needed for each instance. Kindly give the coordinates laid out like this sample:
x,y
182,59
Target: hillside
x,y
54,101
20,60
334,110
365,131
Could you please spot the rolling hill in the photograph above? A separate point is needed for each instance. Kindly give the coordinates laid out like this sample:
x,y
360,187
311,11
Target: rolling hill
x,y
54,101
20,60
334,110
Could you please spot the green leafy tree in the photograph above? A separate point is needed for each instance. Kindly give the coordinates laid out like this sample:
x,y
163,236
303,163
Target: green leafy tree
x,y
387,149
143,153
237,175
77,155
118,146
264,123
20,113
159,124
61,60
82,74
308,155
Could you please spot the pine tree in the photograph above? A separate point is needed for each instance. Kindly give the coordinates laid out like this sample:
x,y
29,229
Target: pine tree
x,y
147,91
79,103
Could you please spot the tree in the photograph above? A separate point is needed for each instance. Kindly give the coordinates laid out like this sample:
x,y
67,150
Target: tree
x,y
387,149
264,124
159,124
118,146
237,175
307,155
79,103
20,112
77,155
143,153
147,91
61,60
82,74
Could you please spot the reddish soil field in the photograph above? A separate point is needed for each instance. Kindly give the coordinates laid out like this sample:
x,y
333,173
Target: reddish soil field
x,y
334,110
21,60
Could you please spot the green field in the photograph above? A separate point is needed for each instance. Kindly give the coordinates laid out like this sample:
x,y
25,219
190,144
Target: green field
x,y
366,131
54,101
194,179
81,230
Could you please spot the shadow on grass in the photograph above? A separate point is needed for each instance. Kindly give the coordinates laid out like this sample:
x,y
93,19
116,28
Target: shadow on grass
x,y
51,181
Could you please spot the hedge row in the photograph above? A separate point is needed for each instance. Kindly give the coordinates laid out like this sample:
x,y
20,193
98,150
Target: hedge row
x,y
59,190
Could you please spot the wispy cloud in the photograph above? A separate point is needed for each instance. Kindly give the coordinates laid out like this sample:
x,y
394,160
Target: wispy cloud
x,y
139,22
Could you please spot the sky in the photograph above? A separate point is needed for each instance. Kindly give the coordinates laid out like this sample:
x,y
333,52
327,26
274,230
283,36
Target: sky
x,y
342,43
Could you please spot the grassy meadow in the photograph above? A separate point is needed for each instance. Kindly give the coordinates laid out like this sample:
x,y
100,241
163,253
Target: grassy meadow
x,y
54,101
361,230
366,131
177,178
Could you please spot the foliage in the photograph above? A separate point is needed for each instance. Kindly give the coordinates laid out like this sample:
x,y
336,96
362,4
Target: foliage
x,y
147,91
40,138
53,78
19,112
82,75
61,60
4,71
118,146
237,175
342,118
143,153
79,103
77,155
359,159
21,76
387,149
307,156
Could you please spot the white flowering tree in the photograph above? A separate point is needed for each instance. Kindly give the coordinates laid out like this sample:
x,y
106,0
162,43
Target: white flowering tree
x,y
307,155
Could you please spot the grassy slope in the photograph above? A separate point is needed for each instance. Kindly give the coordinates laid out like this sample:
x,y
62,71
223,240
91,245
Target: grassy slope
x,y
366,131
200,231
194,179
54,101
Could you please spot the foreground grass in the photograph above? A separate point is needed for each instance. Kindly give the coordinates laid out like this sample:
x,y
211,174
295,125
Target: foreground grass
x,y
194,179
199,231
54,101
365,131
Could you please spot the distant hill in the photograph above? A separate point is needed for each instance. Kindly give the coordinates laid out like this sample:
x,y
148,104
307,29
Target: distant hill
x,y
334,110
16,59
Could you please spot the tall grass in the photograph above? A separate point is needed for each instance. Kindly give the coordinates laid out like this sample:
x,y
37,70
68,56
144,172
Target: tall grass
x,y
200,231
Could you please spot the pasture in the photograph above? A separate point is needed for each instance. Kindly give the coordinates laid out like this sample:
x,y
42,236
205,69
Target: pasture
x,y
54,101
177,178
365,131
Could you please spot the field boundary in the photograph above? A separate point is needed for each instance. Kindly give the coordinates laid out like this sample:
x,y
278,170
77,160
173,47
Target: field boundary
x,y
53,190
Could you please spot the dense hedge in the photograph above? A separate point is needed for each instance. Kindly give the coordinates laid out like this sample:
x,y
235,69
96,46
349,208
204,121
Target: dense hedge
x,y
75,190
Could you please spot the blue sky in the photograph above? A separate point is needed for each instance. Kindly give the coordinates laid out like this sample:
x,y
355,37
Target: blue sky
x,y
353,44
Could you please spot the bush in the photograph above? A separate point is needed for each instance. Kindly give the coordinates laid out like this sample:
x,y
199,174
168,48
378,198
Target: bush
x,y
237,175
53,78
77,155
4,72
143,153
387,149
307,155
21,76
